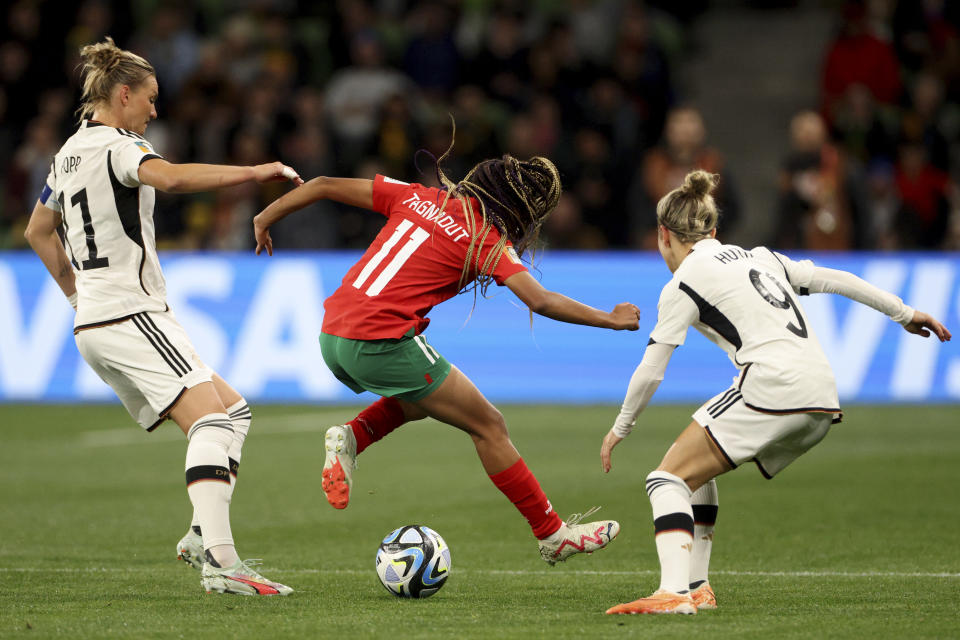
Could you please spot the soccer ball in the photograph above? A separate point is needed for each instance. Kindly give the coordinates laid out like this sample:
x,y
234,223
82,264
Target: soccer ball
x,y
413,561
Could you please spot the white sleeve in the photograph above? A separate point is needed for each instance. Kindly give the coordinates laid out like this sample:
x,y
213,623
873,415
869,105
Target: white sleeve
x,y
127,158
806,277
825,280
676,311
644,382
798,272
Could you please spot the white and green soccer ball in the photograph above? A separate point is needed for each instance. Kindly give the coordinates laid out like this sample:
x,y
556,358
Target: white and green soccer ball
x,y
413,561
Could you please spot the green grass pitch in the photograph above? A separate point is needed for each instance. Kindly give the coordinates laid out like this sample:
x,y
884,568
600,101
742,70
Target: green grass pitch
x,y
856,539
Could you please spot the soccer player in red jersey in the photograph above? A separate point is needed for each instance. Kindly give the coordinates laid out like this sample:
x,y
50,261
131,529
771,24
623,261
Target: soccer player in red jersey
x,y
435,244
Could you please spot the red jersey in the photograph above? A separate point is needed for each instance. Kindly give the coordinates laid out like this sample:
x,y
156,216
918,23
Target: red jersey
x,y
414,263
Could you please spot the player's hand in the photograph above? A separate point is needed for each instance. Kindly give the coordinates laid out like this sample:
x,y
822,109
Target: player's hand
x,y
625,316
923,323
609,442
264,241
276,172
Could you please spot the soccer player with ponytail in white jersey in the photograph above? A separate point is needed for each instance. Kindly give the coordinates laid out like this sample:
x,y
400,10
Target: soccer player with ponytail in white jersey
x,y
101,191
781,403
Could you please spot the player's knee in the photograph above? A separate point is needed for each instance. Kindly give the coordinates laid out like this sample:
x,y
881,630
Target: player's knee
x,y
490,425
214,429
659,481
497,423
240,415
411,411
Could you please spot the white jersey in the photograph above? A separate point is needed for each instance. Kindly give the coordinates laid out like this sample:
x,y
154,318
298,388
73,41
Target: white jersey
x,y
108,222
743,301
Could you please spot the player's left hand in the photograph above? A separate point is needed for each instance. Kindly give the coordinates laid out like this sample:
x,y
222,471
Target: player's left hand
x,y
923,323
264,241
609,442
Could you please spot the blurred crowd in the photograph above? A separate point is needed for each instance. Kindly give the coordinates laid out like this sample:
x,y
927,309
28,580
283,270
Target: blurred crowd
x,y
359,87
876,165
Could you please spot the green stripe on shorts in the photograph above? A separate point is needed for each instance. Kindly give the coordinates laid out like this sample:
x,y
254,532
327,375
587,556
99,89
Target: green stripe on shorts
x,y
407,368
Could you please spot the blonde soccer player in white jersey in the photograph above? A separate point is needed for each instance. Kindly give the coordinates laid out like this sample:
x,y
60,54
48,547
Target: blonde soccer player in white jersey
x,y
101,190
781,403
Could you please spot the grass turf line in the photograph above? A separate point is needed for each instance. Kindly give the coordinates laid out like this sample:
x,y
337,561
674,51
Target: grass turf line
x,y
862,504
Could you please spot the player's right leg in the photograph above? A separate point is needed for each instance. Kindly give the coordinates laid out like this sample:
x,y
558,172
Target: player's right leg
x,y
190,547
705,506
200,413
344,442
693,460
149,361
459,403
385,367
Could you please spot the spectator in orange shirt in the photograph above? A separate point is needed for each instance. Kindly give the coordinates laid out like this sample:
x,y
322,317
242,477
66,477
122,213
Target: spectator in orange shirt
x,y
663,169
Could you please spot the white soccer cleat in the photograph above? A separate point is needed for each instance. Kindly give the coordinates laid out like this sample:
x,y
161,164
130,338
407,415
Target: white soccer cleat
x,y
190,549
241,579
341,460
579,538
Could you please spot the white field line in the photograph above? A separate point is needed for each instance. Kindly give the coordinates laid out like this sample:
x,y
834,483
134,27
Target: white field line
x,y
131,434
498,572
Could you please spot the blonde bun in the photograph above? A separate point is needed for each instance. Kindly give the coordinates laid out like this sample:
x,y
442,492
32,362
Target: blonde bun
x,y
689,211
700,183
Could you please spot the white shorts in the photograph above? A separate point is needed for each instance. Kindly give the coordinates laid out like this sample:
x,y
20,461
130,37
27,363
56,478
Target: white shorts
x,y
147,359
770,440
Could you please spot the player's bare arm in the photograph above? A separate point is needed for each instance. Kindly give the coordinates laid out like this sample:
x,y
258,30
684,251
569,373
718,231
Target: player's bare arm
x,y
193,177
355,192
557,306
610,441
41,233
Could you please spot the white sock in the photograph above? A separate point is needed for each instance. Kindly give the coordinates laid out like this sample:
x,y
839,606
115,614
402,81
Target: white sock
x,y
673,528
558,535
240,417
705,507
208,483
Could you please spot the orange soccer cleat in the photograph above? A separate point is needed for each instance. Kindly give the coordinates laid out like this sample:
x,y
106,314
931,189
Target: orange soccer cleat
x,y
660,602
703,597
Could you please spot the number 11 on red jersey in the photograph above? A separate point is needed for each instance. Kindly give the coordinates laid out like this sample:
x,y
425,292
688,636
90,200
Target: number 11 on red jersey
x,y
417,237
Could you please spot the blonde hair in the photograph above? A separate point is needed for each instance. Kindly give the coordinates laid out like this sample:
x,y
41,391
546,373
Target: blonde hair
x,y
515,196
689,210
105,65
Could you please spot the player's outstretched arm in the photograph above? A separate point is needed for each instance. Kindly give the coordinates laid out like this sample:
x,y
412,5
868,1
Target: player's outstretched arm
x,y
191,178
355,192
923,324
41,233
643,384
557,306
824,280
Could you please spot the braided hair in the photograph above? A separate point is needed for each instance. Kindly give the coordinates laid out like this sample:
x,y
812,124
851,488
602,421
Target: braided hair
x,y
515,197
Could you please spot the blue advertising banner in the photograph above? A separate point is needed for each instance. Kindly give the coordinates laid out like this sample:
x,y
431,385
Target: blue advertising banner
x,y
255,320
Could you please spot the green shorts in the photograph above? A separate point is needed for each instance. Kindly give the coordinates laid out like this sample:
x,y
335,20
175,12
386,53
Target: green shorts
x,y
407,368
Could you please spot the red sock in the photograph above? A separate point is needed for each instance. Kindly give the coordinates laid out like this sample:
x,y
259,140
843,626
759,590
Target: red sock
x,y
376,421
523,490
